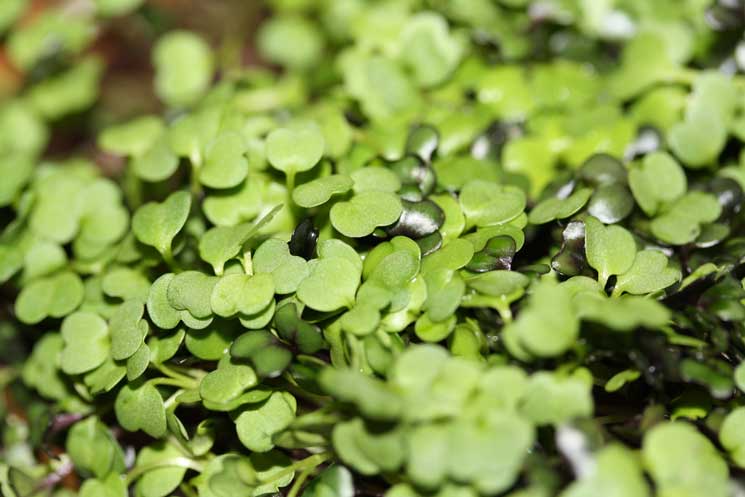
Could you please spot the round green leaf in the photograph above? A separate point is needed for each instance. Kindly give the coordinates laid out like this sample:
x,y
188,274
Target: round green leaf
x,y
225,165
331,285
485,203
319,191
183,67
163,478
273,257
128,329
157,224
293,150
54,296
429,49
732,435
139,406
256,426
242,293
131,138
364,212
86,339
609,249
658,180
649,273
666,451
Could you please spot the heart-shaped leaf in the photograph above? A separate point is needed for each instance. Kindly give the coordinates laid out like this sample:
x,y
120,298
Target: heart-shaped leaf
x,y
649,273
191,291
610,249
139,406
183,67
165,346
133,137
257,425
211,342
157,224
54,296
331,284
157,163
548,326
267,355
93,449
319,191
294,150
273,257
434,331
221,243
375,179
485,203
499,283
681,223
225,165
158,308
86,338
138,362
557,208
236,293
432,52
161,478
364,212
128,329
227,382
658,180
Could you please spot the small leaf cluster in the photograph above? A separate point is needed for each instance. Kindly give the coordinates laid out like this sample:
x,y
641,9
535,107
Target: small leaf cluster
x,y
428,249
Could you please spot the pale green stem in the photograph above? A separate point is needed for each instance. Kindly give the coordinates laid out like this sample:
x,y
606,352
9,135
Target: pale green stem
x,y
603,280
187,490
298,483
505,313
173,382
172,399
168,371
196,163
290,182
248,264
310,462
170,260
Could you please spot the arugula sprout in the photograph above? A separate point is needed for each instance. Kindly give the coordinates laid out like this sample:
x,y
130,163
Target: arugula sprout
x,y
390,249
